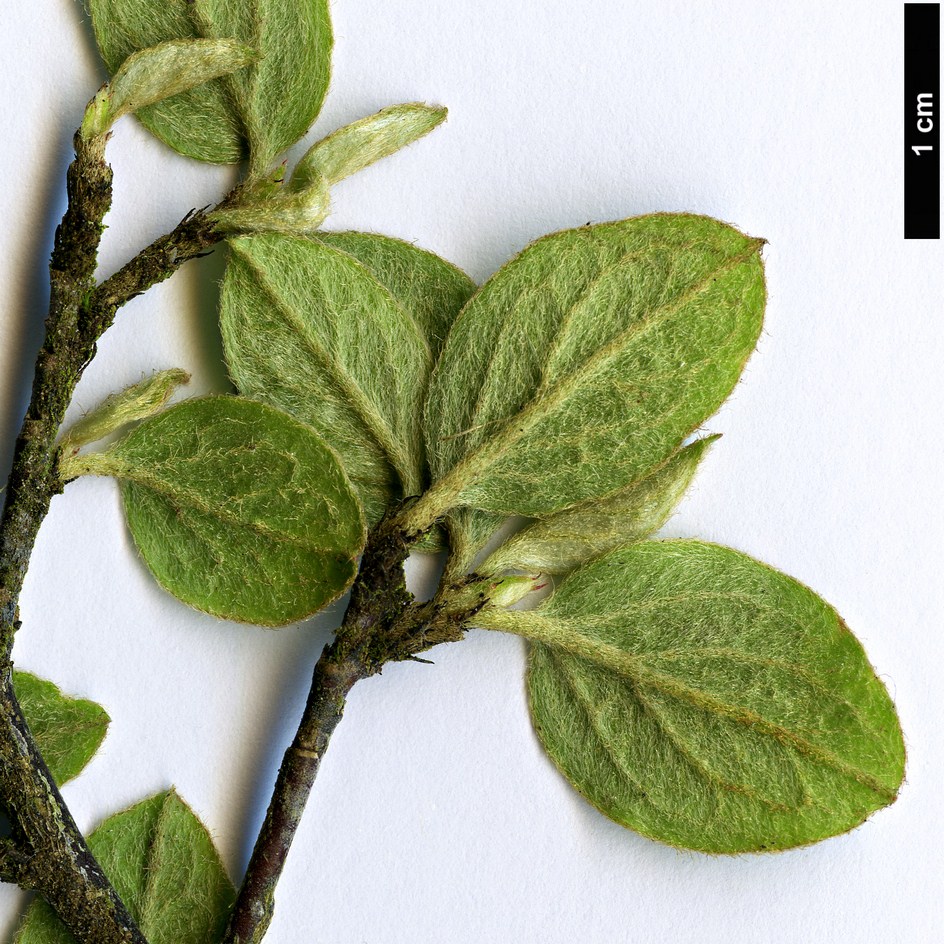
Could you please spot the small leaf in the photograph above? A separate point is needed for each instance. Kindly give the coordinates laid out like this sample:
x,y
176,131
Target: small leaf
x,y
163,864
569,538
358,145
68,730
165,70
134,403
237,509
261,110
708,701
586,361
427,287
310,330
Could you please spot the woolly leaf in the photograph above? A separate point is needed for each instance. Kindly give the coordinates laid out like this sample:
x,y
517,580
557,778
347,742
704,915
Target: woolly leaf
x,y
708,701
134,403
237,509
358,145
565,540
68,730
309,329
430,289
165,70
263,109
586,361
163,864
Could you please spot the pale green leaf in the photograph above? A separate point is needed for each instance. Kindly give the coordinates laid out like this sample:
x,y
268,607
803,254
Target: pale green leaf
x,y
308,328
263,109
562,542
68,730
134,403
165,70
430,289
358,145
238,509
708,701
587,360
163,864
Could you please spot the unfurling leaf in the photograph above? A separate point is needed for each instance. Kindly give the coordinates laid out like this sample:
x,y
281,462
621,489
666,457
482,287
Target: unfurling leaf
x,y
162,862
358,145
261,110
586,361
237,509
708,701
282,211
569,538
165,70
68,730
340,345
134,403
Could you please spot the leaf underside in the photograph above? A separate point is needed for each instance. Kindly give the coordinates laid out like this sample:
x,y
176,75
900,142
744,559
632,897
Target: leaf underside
x,y
67,730
584,363
162,862
265,108
239,510
708,701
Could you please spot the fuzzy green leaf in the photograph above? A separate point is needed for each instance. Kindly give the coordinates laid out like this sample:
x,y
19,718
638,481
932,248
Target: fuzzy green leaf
x,y
165,70
358,145
163,864
708,701
308,328
134,403
587,360
569,538
238,509
261,110
68,730
430,289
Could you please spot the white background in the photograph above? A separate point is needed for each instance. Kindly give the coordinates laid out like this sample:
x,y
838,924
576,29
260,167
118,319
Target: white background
x,y
436,816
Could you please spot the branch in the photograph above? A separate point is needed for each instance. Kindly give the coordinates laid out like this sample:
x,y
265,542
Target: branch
x,y
382,624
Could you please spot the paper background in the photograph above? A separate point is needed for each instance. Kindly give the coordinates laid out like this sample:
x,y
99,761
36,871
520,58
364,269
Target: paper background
x,y
436,816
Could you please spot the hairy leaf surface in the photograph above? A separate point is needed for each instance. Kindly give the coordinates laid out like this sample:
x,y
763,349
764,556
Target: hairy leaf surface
x,y
708,701
68,730
430,289
238,509
308,328
163,864
263,109
562,542
587,360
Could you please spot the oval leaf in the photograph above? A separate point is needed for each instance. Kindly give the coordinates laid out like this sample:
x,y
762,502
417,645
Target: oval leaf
x,y
309,329
708,701
162,862
261,110
566,540
238,509
587,360
358,145
68,730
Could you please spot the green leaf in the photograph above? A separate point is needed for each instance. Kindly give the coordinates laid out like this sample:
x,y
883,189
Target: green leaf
x,y
430,289
238,509
569,538
68,730
358,145
587,360
134,403
264,109
308,328
165,70
163,864
708,701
